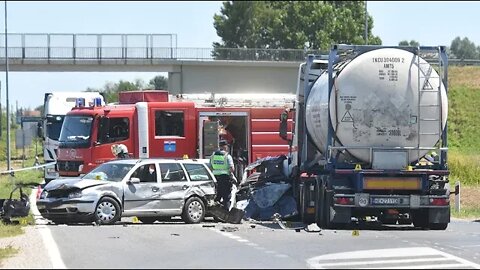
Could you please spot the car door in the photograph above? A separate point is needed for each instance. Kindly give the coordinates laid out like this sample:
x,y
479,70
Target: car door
x,y
202,180
143,197
173,187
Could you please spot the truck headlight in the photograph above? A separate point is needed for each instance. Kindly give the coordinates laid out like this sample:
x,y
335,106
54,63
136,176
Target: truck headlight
x,y
75,194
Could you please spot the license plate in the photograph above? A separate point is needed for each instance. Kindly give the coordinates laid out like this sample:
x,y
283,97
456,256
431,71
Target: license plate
x,y
385,201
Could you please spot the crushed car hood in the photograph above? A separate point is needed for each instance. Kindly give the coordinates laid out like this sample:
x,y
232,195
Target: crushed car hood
x,y
73,183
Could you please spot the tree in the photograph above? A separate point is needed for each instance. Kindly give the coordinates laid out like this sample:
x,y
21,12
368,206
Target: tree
x,y
40,108
412,42
313,25
159,83
110,90
464,48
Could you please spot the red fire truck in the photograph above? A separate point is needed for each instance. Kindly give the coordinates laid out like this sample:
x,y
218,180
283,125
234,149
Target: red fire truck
x,y
155,124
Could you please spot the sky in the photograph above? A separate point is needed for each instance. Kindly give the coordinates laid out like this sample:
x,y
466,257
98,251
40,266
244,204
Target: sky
x,y
429,23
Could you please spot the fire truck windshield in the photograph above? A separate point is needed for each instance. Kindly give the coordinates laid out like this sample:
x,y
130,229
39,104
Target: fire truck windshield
x,y
54,125
76,131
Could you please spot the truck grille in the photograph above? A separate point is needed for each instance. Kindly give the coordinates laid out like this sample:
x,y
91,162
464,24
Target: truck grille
x,y
69,166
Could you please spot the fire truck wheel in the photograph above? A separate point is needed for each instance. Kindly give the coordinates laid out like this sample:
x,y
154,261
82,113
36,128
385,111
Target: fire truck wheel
x,y
107,211
193,211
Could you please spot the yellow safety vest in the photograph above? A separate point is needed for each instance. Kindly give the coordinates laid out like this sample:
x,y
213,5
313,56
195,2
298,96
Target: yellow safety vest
x,y
219,164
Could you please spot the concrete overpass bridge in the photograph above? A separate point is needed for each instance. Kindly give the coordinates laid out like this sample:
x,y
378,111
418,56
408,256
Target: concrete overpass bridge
x,y
190,70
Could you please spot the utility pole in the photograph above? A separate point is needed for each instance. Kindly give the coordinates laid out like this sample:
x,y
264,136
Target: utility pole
x,y
6,89
366,24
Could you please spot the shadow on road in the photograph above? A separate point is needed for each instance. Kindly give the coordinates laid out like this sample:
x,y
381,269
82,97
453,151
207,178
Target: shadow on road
x,y
365,226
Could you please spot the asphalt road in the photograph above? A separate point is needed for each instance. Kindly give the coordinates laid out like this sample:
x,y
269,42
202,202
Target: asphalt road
x,y
266,245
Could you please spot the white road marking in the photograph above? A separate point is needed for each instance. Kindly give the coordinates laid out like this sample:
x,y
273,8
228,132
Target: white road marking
x,y
248,243
48,241
385,261
426,266
402,257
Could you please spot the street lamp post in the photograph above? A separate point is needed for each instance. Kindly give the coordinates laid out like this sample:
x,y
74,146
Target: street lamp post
x,y
6,89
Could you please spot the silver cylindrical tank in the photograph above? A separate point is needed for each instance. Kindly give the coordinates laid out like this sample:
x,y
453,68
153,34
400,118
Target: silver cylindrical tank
x,y
375,103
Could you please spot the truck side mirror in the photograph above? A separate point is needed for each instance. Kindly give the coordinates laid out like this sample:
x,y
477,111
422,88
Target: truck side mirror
x,y
40,129
283,125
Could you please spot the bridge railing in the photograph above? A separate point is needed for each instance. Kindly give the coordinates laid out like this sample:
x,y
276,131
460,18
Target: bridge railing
x,y
198,54
142,46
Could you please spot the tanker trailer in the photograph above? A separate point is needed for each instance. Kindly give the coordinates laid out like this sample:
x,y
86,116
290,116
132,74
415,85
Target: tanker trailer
x,y
363,128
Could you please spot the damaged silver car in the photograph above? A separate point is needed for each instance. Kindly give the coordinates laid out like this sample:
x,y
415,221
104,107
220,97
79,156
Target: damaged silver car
x,y
150,189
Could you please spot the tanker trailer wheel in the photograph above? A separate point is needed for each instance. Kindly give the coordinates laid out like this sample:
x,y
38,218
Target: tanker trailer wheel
x,y
306,218
438,226
420,218
320,217
326,211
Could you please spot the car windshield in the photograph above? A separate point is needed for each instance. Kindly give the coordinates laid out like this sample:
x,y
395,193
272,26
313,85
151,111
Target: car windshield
x,y
109,172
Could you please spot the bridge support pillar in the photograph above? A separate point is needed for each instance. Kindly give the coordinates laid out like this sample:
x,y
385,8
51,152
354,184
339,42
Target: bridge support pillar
x,y
175,82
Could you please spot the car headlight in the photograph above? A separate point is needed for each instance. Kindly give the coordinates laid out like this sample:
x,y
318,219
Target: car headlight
x,y
75,194
44,194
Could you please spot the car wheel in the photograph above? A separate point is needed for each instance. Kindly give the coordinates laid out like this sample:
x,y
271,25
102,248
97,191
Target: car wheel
x,y
147,220
193,211
107,211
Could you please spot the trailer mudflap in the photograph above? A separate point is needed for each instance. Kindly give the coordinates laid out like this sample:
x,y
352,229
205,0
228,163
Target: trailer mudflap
x,y
340,214
439,215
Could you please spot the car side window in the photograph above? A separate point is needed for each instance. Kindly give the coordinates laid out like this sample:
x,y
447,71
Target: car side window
x,y
197,172
146,173
172,172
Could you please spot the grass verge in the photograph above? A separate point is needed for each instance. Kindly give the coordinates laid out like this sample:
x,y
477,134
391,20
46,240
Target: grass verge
x,y
7,252
28,179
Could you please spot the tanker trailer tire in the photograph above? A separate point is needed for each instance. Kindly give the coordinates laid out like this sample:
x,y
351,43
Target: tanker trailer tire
x,y
320,209
438,226
306,218
328,224
420,219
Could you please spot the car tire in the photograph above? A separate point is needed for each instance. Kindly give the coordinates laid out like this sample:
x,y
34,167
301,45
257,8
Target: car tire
x,y
107,211
147,220
193,210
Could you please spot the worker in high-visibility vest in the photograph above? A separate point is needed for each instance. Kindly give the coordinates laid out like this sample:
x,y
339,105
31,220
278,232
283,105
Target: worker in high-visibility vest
x,y
223,167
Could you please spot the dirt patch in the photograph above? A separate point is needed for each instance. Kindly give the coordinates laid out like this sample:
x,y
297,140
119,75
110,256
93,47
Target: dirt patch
x,y
467,76
469,197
